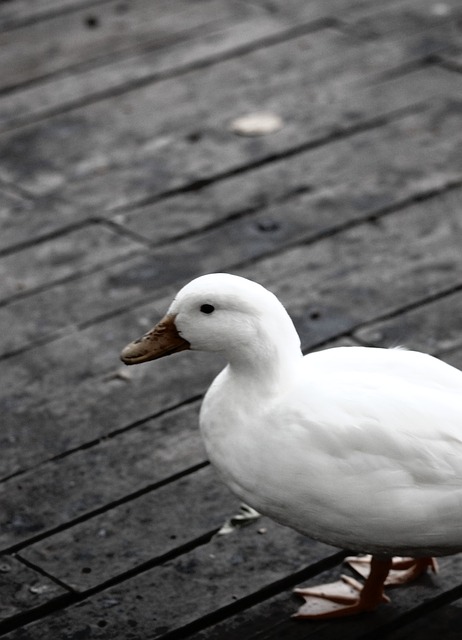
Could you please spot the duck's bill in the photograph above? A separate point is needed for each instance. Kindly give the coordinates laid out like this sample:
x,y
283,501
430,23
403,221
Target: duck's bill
x,y
162,340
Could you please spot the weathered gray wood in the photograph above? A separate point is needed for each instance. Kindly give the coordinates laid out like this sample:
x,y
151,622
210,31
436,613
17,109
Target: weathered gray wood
x,y
271,619
433,328
61,257
87,84
23,588
125,149
446,622
102,31
293,199
182,590
64,388
453,357
106,30
245,26
220,574
19,12
453,60
25,219
129,535
59,398
320,188
406,18
89,479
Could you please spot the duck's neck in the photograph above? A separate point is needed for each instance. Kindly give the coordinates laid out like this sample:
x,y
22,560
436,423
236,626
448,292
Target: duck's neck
x,y
268,365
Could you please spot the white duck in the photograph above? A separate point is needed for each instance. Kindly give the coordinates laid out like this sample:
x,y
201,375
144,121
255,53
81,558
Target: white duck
x,y
357,447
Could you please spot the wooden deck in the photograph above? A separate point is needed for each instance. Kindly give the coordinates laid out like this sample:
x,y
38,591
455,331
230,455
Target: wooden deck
x,y
120,180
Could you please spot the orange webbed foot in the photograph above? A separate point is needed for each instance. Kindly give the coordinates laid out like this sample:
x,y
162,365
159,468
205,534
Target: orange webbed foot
x,y
403,570
345,597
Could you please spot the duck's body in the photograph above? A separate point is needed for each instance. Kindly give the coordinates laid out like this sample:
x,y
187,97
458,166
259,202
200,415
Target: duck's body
x,y
358,447
348,452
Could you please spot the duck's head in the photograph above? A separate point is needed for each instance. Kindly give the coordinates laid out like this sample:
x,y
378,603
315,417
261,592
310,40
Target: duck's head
x,y
221,313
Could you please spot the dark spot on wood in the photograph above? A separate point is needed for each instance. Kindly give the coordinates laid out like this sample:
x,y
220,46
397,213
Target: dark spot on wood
x,y
268,225
315,314
102,623
92,22
300,190
194,136
86,569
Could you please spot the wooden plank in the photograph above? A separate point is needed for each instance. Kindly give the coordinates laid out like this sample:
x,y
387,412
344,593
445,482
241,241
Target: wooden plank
x,y
59,258
71,394
318,191
19,12
96,28
64,388
223,574
453,60
433,327
446,621
25,219
129,535
270,620
453,357
13,206
64,308
134,146
406,18
245,27
66,40
313,190
86,84
182,590
23,588
73,487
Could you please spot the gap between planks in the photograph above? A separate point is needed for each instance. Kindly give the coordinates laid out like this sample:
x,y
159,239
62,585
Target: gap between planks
x,y
268,591
113,434
420,611
107,507
372,217
27,20
264,42
342,133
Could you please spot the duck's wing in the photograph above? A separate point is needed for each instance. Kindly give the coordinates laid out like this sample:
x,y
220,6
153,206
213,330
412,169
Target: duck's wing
x,y
397,364
400,400
380,448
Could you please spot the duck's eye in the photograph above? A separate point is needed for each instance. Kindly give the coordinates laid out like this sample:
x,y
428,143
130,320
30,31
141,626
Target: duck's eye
x,y
207,308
